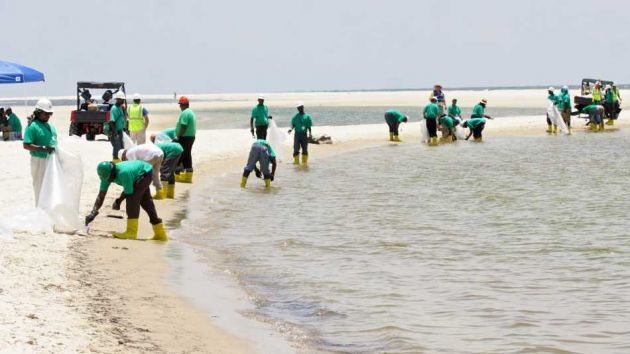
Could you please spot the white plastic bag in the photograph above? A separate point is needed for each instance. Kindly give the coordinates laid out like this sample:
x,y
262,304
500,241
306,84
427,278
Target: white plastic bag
x,y
162,138
30,220
276,139
127,142
61,190
556,118
460,132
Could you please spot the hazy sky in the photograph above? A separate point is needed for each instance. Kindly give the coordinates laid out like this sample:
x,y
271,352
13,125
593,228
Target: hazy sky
x,y
193,46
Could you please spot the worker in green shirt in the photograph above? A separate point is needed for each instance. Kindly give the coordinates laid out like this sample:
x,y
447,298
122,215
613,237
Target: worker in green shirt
x,y
117,122
302,123
447,125
455,112
609,105
616,97
260,118
476,126
261,152
40,139
595,115
431,113
393,118
185,131
135,178
15,125
564,106
479,110
172,154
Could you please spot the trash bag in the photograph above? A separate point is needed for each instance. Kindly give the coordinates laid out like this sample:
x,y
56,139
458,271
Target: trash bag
x,y
127,142
61,190
460,132
30,220
424,132
556,118
162,138
276,138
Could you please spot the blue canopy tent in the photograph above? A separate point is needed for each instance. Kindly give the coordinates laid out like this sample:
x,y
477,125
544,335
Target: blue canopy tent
x,y
11,73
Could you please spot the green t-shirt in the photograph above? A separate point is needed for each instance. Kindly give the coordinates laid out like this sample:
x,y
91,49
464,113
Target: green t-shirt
x,y
590,108
475,122
187,118
302,122
170,149
447,122
127,173
478,111
14,123
431,111
170,132
564,101
609,97
40,134
117,116
454,111
272,153
397,114
260,113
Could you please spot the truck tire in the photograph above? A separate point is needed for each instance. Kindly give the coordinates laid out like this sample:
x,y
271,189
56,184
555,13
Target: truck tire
x,y
74,130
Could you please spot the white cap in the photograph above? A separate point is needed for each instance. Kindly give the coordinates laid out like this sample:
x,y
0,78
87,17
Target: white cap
x,y
119,95
608,87
45,105
565,87
299,104
550,88
136,96
261,97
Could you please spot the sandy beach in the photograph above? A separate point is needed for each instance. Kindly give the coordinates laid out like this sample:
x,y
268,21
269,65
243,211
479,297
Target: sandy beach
x,y
92,293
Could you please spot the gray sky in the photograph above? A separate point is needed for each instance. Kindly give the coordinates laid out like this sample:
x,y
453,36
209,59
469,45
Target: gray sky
x,y
192,46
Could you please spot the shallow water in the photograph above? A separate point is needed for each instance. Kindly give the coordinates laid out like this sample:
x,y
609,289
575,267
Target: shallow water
x,y
324,115
514,245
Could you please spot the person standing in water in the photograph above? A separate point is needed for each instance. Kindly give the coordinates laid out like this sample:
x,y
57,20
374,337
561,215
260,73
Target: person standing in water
x,y
185,131
455,112
260,118
40,139
301,122
260,152
393,118
431,113
447,125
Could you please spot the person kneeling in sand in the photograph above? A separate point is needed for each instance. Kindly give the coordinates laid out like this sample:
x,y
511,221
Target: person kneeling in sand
x,y
135,178
263,153
476,126
393,118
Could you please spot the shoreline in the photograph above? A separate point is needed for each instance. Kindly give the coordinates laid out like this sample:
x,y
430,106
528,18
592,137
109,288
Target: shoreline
x,y
112,293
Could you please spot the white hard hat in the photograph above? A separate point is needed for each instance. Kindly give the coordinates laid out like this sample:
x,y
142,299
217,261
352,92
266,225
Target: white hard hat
x,y
45,105
299,104
136,96
261,97
565,87
119,95
608,87
550,88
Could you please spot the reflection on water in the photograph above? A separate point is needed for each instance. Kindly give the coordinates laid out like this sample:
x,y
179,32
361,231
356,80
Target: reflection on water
x,y
511,245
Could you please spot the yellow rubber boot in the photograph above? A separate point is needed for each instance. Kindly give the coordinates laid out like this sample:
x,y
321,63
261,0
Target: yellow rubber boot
x,y
243,181
170,191
296,160
187,178
159,234
397,139
610,121
601,126
549,128
159,194
179,176
570,130
131,233
267,182
116,160
477,140
555,129
304,159
434,141
391,136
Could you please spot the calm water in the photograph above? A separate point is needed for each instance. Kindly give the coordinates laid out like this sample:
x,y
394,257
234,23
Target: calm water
x,y
514,245
323,115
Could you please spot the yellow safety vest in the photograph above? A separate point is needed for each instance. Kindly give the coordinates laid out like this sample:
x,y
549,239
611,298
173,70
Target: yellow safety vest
x,y
597,94
136,119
